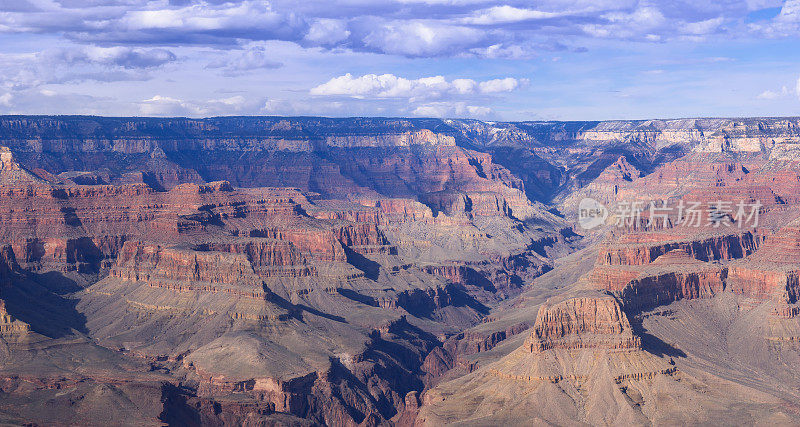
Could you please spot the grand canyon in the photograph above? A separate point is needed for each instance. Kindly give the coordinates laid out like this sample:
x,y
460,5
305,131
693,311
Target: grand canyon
x,y
386,271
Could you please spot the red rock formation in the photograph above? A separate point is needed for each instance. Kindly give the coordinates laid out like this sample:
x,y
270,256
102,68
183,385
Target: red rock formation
x,y
400,210
268,257
644,248
582,322
186,269
771,272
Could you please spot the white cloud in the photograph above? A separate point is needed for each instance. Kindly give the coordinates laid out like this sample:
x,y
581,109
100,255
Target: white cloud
x,y
121,56
19,71
797,88
253,57
784,92
768,94
327,32
464,86
507,84
641,22
5,99
447,109
699,28
417,38
166,106
205,17
506,14
160,105
786,24
433,96
391,86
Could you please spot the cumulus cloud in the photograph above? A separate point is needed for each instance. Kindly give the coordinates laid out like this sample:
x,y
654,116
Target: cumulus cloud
x,y
784,92
392,86
700,28
159,105
196,22
121,56
422,38
797,88
507,84
47,101
256,57
434,96
448,109
327,32
167,106
507,14
785,24
80,64
769,94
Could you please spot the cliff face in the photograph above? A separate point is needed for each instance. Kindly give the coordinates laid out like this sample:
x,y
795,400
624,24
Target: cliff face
x,y
579,323
536,157
11,328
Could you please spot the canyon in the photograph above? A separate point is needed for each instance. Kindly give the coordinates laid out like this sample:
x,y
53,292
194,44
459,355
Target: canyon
x,y
389,271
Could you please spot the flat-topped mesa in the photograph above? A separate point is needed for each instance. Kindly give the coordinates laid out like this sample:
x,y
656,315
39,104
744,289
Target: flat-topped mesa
x,y
184,269
696,172
316,243
397,210
193,188
749,135
268,257
220,198
343,210
80,254
582,323
400,139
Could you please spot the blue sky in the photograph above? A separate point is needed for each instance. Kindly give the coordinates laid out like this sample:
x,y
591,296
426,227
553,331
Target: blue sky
x,y
486,59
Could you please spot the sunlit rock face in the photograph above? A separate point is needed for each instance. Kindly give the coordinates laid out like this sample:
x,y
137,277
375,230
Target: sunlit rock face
x,y
366,271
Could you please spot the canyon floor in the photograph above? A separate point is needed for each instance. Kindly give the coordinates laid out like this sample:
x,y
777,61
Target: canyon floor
x,y
375,271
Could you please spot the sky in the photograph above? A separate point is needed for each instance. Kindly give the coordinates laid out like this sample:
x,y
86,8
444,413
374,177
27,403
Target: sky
x,y
483,59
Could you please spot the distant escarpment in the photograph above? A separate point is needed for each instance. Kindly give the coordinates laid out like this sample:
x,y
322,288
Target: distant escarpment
x,y
582,323
396,157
